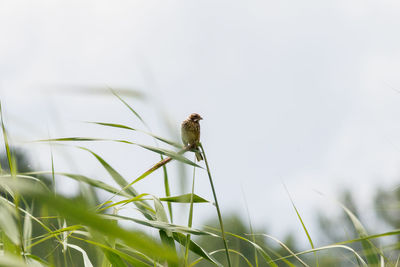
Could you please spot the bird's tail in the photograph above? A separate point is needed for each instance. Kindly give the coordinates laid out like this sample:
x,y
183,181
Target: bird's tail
x,y
199,157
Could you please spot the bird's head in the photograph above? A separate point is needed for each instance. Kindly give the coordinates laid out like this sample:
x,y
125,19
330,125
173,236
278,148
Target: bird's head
x,y
195,117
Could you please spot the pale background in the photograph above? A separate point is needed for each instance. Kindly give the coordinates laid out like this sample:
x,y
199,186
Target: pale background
x,y
295,92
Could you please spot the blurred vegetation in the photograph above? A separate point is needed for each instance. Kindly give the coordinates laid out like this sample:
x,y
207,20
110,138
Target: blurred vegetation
x,y
49,248
236,224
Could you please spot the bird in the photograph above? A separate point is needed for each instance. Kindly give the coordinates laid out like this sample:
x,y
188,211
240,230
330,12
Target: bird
x,y
190,132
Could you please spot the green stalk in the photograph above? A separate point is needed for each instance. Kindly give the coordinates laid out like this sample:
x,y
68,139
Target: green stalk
x,y
167,190
190,218
216,204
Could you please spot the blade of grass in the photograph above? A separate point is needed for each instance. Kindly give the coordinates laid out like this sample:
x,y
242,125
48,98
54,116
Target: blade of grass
x,y
128,106
368,246
360,260
165,234
85,179
124,202
287,249
167,227
222,250
121,126
27,231
186,198
390,233
260,250
34,260
130,259
86,260
195,248
216,205
190,220
302,224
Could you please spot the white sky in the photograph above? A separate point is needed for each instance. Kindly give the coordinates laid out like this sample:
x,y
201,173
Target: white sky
x,y
299,92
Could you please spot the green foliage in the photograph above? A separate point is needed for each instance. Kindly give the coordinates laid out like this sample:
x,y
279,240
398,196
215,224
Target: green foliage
x,y
39,227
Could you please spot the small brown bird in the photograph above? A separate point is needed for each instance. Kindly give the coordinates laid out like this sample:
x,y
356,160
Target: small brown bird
x,y
190,132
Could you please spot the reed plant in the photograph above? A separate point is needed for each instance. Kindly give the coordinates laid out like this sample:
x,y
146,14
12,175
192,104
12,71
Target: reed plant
x,y
81,231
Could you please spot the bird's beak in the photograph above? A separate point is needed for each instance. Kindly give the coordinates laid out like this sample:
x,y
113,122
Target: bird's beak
x,y
200,118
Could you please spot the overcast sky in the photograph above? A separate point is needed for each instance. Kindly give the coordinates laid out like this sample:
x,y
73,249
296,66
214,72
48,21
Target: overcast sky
x,y
295,92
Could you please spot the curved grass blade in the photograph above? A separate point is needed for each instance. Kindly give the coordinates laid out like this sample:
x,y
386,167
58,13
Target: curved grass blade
x,y
287,249
123,203
128,106
390,233
168,227
86,260
87,180
27,231
33,259
94,183
114,259
358,257
112,253
223,250
161,216
96,90
303,225
116,125
171,154
195,248
370,250
186,198
260,250
165,234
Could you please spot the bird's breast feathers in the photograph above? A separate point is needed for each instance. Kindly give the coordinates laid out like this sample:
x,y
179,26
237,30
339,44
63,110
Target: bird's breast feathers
x,y
190,132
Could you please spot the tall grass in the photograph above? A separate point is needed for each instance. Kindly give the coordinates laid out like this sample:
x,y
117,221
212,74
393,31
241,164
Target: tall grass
x,y
40,227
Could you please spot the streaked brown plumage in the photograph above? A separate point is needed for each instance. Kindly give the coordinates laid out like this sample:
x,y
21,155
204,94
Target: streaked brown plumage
x,y
190,132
